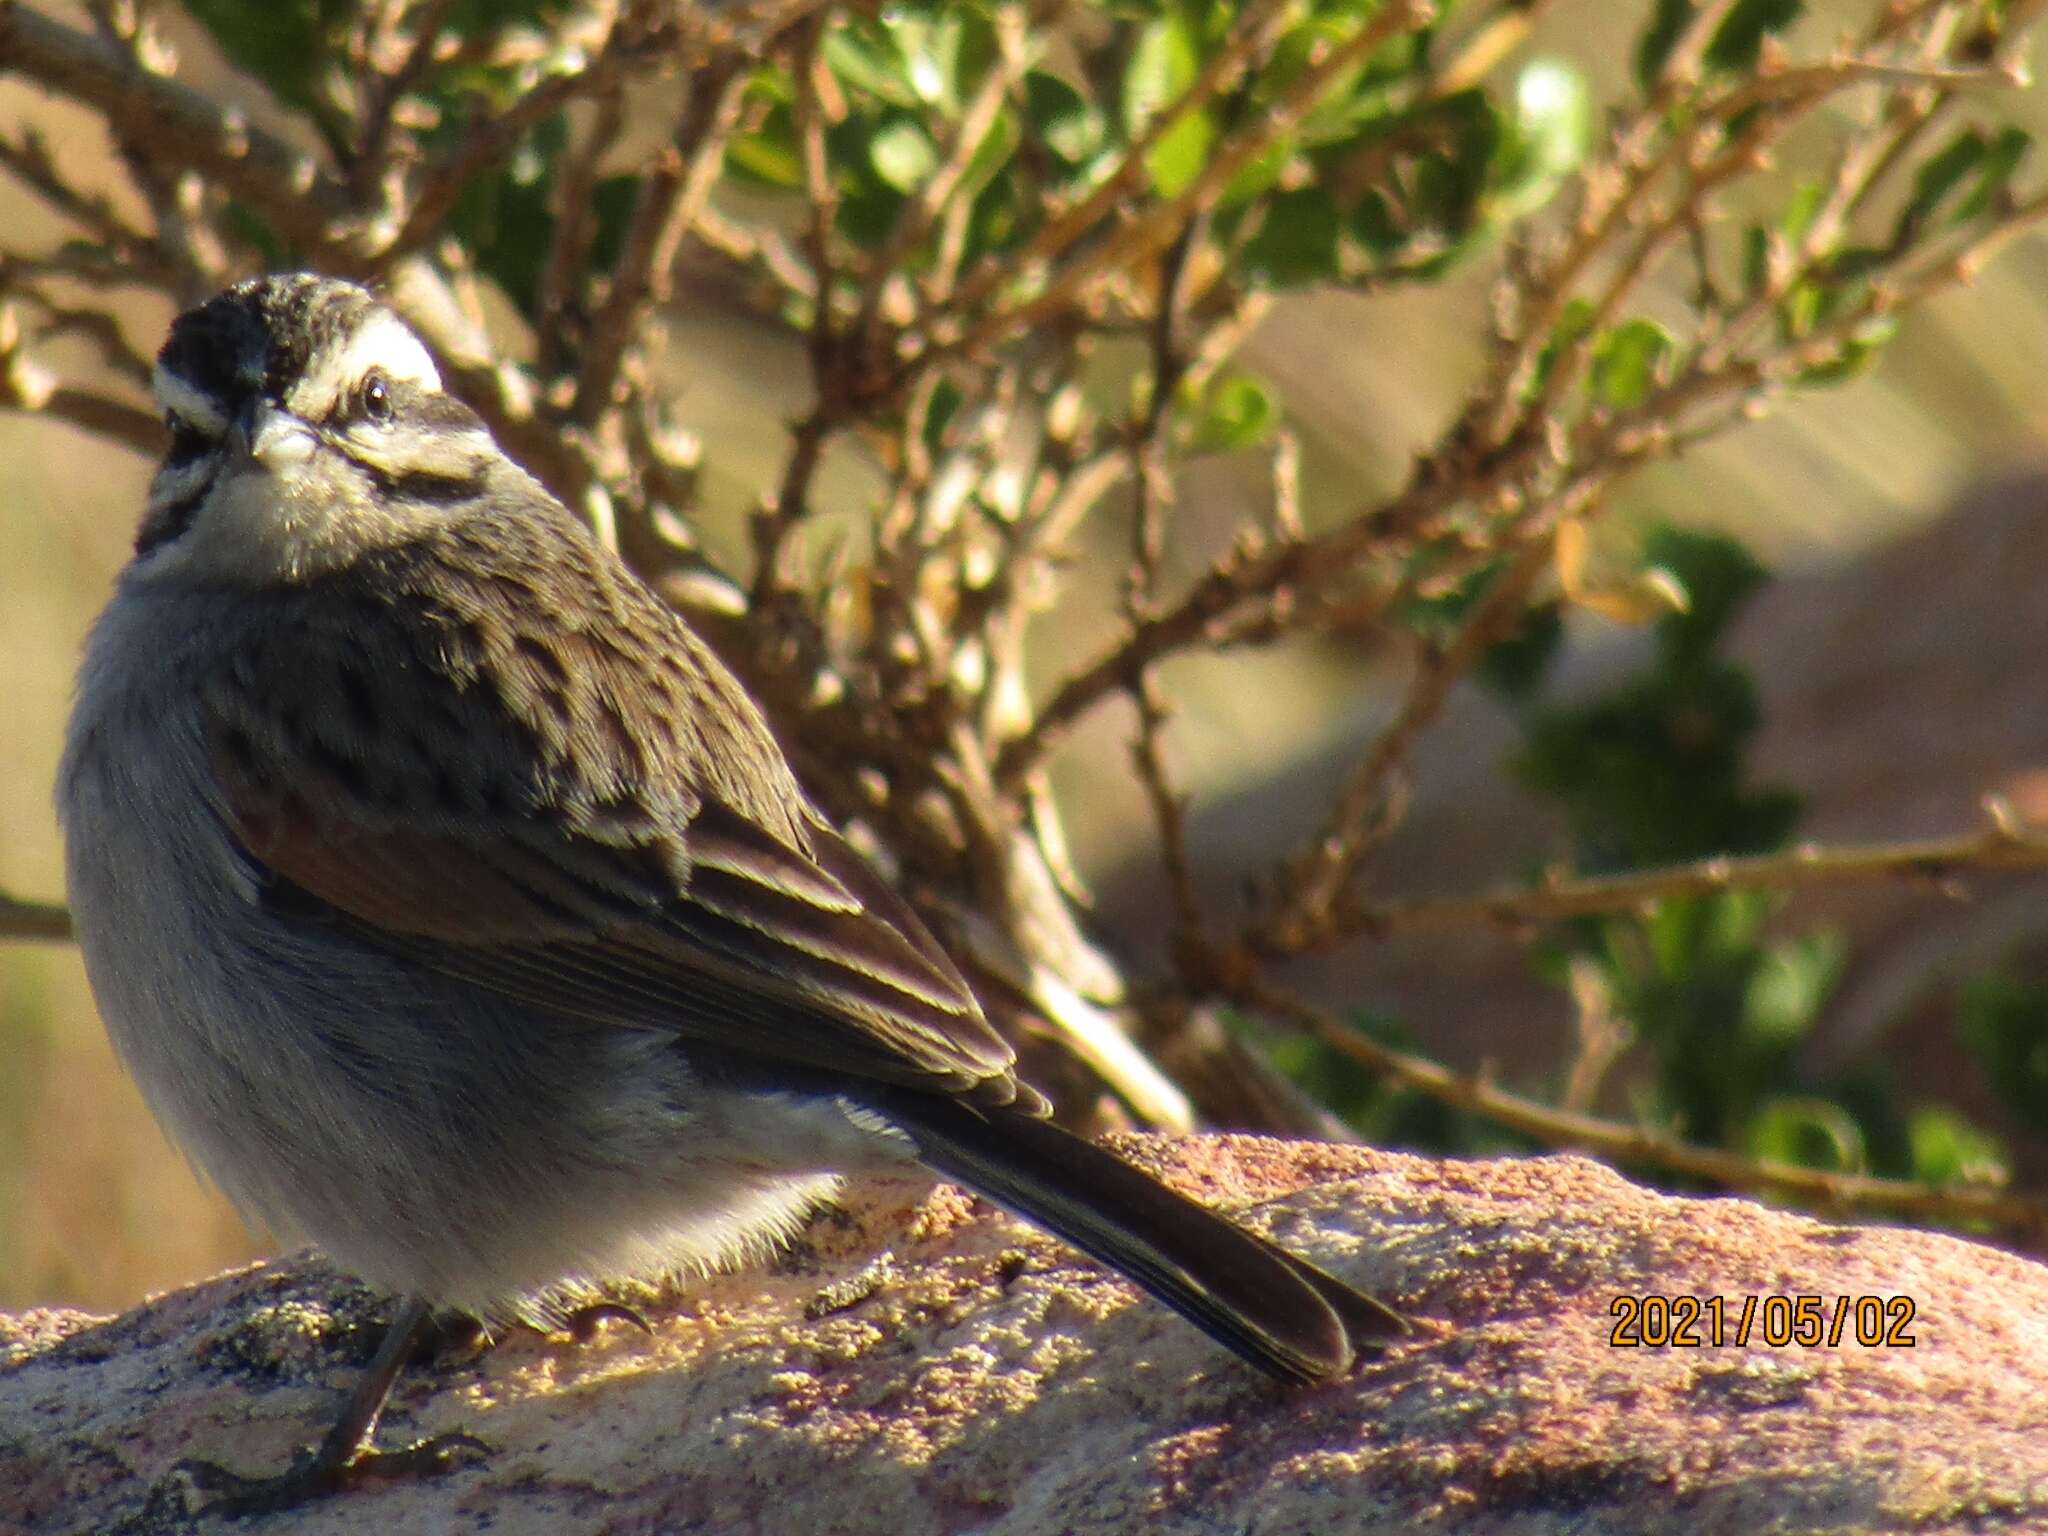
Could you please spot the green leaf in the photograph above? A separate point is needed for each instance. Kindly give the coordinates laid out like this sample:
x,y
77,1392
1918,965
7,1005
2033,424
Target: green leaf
x,y
2004,1024
1514,667
1449,180
1070,125
1939,175
1297,241
964,46
1809,1132
1947,1149
1653,770
1339,108
1162,65
287,44
866,59
2001,159
995,151
1855,355
1788,987
1741,37
505,219
1260,174
902,155
1180,153
1573,323
1238,412
1628,361
769,155
1756,259
1734,46
1800,209
1667,22
1547,137
946,401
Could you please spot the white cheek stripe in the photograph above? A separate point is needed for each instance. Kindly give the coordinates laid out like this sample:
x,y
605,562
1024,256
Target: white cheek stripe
x,y
382,341
174,395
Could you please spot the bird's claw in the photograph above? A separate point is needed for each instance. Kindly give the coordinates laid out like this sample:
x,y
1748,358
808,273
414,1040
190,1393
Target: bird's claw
x,y
312,1476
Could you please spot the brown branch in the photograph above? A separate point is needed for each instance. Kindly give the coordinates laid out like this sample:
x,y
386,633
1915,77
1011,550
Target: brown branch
x,y
386,89
669,200
1219,72
773,523
2020,1215
291,190
562,293
1153,493
1519,908
491,139
135,257
920,211
778,518
1150,232
1360,813
27,386
821,193
36,921
1256,569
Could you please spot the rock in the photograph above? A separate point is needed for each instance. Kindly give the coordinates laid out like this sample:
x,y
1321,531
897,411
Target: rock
x,y
991,1380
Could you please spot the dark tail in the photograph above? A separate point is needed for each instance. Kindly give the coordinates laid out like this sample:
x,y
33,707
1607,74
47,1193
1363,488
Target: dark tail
x,y
1279,1312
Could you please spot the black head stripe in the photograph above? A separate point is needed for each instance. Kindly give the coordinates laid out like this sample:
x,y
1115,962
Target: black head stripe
x,y
215,347
165,523
267,329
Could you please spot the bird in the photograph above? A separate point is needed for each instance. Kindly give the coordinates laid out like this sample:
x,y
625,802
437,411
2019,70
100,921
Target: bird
x,y
455,909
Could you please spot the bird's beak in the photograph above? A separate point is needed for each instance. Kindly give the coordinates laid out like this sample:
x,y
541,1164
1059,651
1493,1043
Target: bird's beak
x,y
272,435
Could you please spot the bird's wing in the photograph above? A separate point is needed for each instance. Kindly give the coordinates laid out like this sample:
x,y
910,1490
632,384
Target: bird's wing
x,y
551,854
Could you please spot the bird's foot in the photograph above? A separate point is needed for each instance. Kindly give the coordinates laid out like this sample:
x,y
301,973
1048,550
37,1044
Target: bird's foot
x,y
316,1474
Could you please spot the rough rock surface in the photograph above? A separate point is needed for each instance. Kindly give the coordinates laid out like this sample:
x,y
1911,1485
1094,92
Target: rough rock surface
x,y
991,1381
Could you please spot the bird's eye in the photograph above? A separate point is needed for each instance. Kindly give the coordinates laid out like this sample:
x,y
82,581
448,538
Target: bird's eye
x,y
374,397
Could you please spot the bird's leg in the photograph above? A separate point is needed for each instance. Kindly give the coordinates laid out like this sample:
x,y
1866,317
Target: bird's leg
x,y
342,1460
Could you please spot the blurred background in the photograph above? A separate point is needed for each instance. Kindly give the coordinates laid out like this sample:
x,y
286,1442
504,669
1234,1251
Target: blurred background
x,y
1896,651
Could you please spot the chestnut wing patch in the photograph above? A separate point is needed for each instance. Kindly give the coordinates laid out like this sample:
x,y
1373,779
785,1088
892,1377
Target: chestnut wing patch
x,y
719,932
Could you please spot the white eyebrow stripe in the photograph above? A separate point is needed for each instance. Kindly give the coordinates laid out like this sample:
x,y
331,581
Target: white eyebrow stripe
x,y
176,397
381,341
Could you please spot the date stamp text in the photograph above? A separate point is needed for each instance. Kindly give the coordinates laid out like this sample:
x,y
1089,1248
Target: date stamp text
x,y
1654,1321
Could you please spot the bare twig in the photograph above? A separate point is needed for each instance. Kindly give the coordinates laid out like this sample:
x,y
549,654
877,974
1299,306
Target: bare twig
x,y
1358,815
27,386
670,198
291,190
134,258
37,921
922,209
1256,569
385,90
1153,491
491,138
1151,230
1520,908
1248,39
560,301
2018,1215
